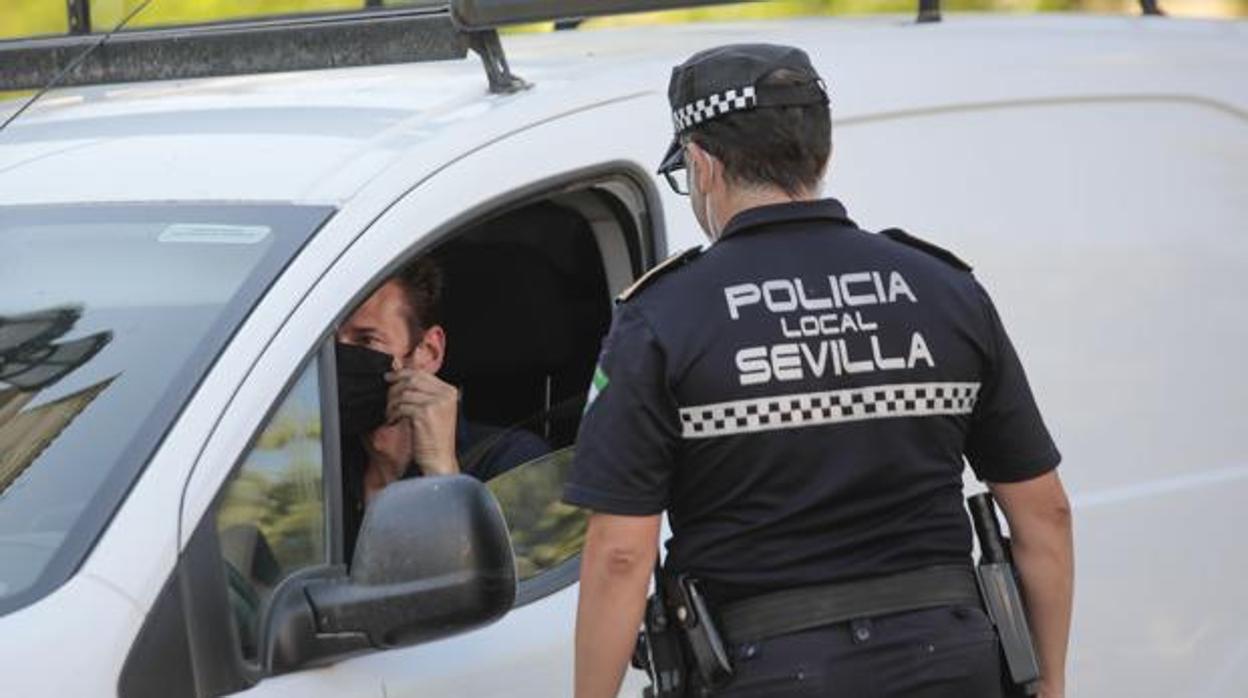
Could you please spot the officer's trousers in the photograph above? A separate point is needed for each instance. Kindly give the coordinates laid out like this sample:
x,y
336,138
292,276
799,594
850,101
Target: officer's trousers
x,y
937,653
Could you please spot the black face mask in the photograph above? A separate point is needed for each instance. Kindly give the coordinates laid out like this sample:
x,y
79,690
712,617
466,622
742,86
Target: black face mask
x,y
362,388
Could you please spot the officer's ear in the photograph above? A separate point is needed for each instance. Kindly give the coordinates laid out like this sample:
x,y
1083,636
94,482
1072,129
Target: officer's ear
x,y
704,168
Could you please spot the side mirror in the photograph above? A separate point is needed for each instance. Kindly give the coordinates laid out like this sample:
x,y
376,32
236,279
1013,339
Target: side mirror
x,y
433,559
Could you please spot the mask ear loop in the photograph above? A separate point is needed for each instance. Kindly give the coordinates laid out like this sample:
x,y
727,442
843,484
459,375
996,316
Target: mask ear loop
x,y
690,164
706,201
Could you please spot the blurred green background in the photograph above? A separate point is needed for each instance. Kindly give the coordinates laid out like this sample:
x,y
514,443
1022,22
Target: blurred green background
x,y
34,17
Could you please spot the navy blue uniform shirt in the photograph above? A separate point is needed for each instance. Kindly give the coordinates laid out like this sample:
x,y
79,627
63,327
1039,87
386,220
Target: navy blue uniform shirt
x,y
800,398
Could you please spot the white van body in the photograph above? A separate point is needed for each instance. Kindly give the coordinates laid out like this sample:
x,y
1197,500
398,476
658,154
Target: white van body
x,y
1093,170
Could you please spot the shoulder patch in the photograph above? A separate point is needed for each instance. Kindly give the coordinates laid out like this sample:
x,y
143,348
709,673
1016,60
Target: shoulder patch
x,y
901,236
672,263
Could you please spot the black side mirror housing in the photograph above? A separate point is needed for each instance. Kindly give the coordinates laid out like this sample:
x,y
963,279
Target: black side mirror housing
x,y
433,559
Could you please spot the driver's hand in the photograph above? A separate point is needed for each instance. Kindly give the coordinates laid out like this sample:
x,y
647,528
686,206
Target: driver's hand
x,y
431,406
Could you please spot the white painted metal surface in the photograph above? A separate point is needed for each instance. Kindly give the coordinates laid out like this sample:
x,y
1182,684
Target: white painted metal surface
x,y
1117,259
325,136
71,644
1092,170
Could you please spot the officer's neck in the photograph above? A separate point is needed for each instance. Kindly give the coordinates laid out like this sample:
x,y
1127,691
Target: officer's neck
x,y
738,199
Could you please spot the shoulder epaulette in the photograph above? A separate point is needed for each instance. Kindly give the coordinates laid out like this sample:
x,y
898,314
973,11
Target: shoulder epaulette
x,y
672,263
901,236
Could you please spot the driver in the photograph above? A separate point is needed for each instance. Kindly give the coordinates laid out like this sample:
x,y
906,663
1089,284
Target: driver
x,y
390,350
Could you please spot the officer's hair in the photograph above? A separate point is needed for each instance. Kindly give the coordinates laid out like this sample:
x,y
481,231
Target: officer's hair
x,y
785,147
422,281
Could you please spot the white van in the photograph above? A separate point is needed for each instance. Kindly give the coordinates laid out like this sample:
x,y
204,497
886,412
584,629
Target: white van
x,y
175,256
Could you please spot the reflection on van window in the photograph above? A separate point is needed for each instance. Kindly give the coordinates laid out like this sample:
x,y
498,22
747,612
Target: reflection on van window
x,y
33,356
545,532
271,517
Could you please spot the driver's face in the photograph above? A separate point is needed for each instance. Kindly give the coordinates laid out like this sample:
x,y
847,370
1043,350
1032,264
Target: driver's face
x,y
380,324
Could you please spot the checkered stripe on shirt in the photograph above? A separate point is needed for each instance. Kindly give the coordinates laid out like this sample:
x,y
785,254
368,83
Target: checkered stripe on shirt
x,y
832,407
707,108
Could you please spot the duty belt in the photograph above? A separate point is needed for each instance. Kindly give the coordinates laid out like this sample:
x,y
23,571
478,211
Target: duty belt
x,y
795,610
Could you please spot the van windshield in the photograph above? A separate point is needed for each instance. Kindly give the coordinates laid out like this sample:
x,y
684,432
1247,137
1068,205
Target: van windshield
x,y
109,317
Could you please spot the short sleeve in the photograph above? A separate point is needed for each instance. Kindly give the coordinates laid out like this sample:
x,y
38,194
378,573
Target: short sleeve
x,y
1008,441
630,432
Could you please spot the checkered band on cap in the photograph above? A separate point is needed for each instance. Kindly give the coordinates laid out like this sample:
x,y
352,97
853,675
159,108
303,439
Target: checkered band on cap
x,y
831,407
707,108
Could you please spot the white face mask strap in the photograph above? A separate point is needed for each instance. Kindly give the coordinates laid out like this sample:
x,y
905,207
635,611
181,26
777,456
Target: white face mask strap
x,y
710,218
707,209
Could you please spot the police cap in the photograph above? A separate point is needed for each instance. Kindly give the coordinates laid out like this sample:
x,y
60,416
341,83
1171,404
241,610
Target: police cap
x,y
730,79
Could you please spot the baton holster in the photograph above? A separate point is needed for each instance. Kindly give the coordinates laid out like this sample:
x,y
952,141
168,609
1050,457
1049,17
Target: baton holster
x,y
707,651
999,588
680,639
659,652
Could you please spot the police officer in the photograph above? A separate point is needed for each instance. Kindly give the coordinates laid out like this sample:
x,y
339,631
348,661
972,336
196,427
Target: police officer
x,y
799,398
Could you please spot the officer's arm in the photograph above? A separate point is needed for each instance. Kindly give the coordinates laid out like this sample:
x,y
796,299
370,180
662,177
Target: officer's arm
x,y
616,565
1040,528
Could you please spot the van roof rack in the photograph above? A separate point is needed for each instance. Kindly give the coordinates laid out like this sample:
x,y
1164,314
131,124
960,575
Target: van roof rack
x,y
235,48
427,30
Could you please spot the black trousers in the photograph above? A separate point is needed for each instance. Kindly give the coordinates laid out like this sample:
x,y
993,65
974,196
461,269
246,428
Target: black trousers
x,y
949,652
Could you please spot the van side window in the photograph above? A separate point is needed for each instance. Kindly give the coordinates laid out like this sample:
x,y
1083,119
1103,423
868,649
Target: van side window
x,y
545,532
522,300
271,515
527,302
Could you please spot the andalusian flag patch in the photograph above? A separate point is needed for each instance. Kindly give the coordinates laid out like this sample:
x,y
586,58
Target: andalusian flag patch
x,y
598,385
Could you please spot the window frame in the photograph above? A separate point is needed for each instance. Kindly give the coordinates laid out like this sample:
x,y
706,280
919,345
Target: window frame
x,y
550,581
642,234
331,458
641,227
215,644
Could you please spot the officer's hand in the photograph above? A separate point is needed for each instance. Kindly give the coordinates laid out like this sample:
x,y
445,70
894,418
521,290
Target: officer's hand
x,y
431,406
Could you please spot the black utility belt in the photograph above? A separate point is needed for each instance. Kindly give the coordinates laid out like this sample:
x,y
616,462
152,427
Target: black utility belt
x,y
794,610
682,631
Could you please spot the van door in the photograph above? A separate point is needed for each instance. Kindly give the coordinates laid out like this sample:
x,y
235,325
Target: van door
x,y
539,182
536,234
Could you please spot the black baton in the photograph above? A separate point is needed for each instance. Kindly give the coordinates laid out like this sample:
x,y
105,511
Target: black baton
x,y
1002,600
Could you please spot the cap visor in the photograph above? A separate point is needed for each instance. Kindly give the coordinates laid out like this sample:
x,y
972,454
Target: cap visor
x,y
674,158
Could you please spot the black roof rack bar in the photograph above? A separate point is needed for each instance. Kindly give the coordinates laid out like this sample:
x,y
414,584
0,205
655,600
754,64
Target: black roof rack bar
x,y
493,14
311,42
79,16
929,11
